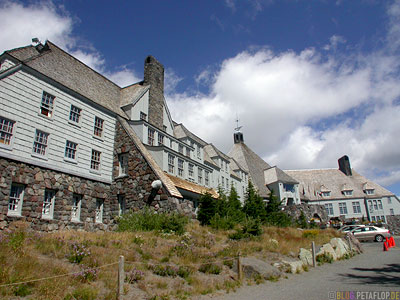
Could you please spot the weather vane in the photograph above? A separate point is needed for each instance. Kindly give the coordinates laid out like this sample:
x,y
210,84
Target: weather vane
x,y
237,124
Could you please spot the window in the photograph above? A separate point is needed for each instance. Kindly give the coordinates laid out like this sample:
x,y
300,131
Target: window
x,y
325,194
180,148
160,139
99,211
98,127
226,183
150,137
206,177
143,116
383,219
180,167
70,150
343,208
356,207
16,199
392,212
76,207
123,164
369,191
40,143
347,193
373,218
121,205
375,205
48,204
288,187
380,204
200,175
191,166
226,167
95,161
47,105
6,131
187,152
371,207
389,200
171,163
198,151
329,209
75,114
164,128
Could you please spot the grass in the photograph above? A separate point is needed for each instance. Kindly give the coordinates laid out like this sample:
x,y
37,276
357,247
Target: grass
x,y
198,261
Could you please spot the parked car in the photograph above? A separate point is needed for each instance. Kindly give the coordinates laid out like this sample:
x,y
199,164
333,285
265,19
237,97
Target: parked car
x,y
347,228
371,233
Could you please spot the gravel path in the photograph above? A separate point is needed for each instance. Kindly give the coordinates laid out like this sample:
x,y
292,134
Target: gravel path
x,y
372,271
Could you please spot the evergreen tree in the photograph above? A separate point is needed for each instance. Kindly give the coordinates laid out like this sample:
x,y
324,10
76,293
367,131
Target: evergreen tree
x,y
221,203
273,203
254,206
234,208
275,216
207,209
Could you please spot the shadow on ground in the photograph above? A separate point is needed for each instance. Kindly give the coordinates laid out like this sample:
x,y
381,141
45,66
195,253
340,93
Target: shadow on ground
x,y
387,275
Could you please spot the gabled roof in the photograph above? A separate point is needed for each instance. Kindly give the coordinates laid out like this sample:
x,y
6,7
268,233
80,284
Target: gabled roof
x,y
180,131
313,182
132,93
214,152
191,187
274,174
208,160
253,164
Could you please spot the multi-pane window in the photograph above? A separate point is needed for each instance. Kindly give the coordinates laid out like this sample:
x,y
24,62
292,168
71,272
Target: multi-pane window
x,y
187,152
392,212
180,148
329,209
95,161
342,208
171,163
143,116
206,178
48,204
198,151
348,192
375,205
47,105
226,183
380,204
389,200
75,114
200,175
70,150
325,194
16,199
150,137
40,142
369,191
121,205
99,211
180,167
98,127
356,207
164,127
191,166
6,131
76,207
160,139
123,163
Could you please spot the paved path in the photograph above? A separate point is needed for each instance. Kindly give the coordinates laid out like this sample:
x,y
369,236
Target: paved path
x,y
372,271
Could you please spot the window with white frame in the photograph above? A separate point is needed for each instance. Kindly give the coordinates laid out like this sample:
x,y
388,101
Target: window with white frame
x,y
121,205
369,191
200,175
171,163
227,183
160,139
75,114
99,211
40,143
150,136
143,116
370,205
375,205
98,127
342,208
325,194
329,208
95,160
123,164
6,131
356,207
392,212
380,206
164,127
47,105
373,218
16,199
48,204
76,207
190,168
70,150
180,148
198,151
180,167
187,152
389,200
206,178
347,192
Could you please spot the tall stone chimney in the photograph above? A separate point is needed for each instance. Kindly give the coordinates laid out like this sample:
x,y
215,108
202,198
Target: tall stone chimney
x,y
154,76
344,165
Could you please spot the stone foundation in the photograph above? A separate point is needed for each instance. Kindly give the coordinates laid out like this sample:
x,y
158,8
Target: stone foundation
x,y
309,210
393,224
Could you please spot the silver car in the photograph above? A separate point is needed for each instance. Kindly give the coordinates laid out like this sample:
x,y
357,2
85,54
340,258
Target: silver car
x,y
371,233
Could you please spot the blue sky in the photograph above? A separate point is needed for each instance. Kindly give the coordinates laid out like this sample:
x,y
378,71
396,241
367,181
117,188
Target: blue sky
x,y
310,80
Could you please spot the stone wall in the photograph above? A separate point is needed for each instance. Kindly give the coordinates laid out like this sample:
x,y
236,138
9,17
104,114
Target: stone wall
x,y
393,224
309,210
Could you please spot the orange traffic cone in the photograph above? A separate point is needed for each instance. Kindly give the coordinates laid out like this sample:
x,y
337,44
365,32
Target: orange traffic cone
x,y
388,242
385,246
393,242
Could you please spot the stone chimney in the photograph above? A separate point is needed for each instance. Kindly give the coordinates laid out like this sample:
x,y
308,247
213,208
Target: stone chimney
x,y
344,165
154,76
238,137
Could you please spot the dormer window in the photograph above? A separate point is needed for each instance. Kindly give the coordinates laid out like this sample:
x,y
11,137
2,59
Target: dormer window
x,y
369,191
143,116
326,194
347,193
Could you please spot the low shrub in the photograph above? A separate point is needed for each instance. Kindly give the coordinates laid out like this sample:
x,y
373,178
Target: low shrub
x,y
87,274
222,223
134,276
210,269
250,228
83,293
78,252
165,270
324,258
310,234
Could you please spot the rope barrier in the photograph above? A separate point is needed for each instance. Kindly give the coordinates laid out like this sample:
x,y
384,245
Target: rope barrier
x,y
56,276
191,265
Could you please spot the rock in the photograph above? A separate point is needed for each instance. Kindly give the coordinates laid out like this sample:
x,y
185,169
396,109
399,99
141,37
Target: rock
x,y
327,249
254,267
274,243
290,266
341,249
355,244
306,256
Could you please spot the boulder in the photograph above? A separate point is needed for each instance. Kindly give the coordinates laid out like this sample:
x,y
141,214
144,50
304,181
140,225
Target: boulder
x,y
355,244
253,267
290,266
306,256
341,248
327,249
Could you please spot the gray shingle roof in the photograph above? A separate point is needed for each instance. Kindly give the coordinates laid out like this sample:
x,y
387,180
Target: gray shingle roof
x,y
313,182
132,93
214,152
275,174
180,131
253,164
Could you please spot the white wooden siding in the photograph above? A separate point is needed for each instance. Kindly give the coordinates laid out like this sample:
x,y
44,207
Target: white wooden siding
x,y
20,99
141,105
6,64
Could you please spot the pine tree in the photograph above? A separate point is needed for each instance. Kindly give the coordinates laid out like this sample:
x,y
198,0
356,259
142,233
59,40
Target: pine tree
x,y
207,209
254,206
234,208
273,203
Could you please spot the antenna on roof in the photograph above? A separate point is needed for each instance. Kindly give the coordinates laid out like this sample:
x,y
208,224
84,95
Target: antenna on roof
x,y
237,124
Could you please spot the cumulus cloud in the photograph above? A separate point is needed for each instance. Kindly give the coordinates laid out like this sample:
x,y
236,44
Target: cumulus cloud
x,y
45,21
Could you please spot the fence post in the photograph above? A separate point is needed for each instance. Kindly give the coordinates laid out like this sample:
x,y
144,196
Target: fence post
x,y
121,277
313,254
239,266
350,245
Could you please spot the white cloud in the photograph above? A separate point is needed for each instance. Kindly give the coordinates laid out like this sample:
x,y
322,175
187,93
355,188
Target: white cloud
x,y
46,21
334,41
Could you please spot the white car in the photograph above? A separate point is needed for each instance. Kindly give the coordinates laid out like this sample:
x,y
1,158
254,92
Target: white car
x,y
371,233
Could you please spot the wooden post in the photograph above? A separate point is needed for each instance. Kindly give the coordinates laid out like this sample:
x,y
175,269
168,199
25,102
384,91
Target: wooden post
x,y
121,277
314,261
350,245
239,266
